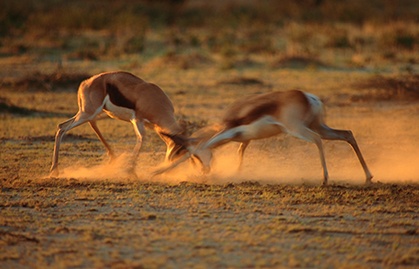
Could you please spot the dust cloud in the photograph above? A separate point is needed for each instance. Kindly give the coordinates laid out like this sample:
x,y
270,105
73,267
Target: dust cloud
x,y
388,140
394,148
115,170
390,150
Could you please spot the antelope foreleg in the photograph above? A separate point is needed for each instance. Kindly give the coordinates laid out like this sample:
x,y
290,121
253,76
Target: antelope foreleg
x,y
241,151
62,129
171,165
140,132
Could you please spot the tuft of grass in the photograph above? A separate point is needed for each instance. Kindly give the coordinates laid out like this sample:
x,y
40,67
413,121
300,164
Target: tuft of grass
x,y
7,107
399,36
183,61
298,62
38,81
402,87
242,81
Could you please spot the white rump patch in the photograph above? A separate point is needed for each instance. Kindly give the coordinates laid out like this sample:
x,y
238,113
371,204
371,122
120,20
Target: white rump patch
x,y
315,103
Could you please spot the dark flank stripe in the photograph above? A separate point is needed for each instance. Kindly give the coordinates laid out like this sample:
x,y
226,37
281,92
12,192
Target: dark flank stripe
x,y
117,98
259,111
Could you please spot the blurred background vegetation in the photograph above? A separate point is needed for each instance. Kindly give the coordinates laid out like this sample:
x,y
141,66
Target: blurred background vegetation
x,y
190,33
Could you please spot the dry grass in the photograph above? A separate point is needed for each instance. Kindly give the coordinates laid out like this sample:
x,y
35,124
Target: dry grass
x,y
191,33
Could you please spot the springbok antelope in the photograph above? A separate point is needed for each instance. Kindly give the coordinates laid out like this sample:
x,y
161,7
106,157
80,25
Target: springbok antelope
x,y
123,96
261,116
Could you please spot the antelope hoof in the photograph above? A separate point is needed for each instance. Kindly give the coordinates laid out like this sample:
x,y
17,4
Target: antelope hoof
x,y
111,158
157,172
206,170
54,173
131,172
368,180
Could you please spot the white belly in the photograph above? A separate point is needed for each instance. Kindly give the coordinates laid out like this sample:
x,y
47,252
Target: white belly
x,y
262,128
118,112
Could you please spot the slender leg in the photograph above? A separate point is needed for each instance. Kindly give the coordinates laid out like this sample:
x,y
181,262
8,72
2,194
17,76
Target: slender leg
x,y
171,165
346,135
244,134
241,150
63,127
311,136
318,142
223,138
204,155
102,139
140,132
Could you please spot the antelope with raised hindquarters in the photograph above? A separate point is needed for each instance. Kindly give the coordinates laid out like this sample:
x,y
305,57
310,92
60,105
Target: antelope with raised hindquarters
x,y
123,96
297,113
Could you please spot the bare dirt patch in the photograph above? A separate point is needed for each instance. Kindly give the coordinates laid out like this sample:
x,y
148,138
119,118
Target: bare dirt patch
x,y
74,223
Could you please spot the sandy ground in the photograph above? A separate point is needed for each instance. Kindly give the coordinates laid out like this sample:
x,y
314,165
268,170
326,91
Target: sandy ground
x,y
272,214
72,224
